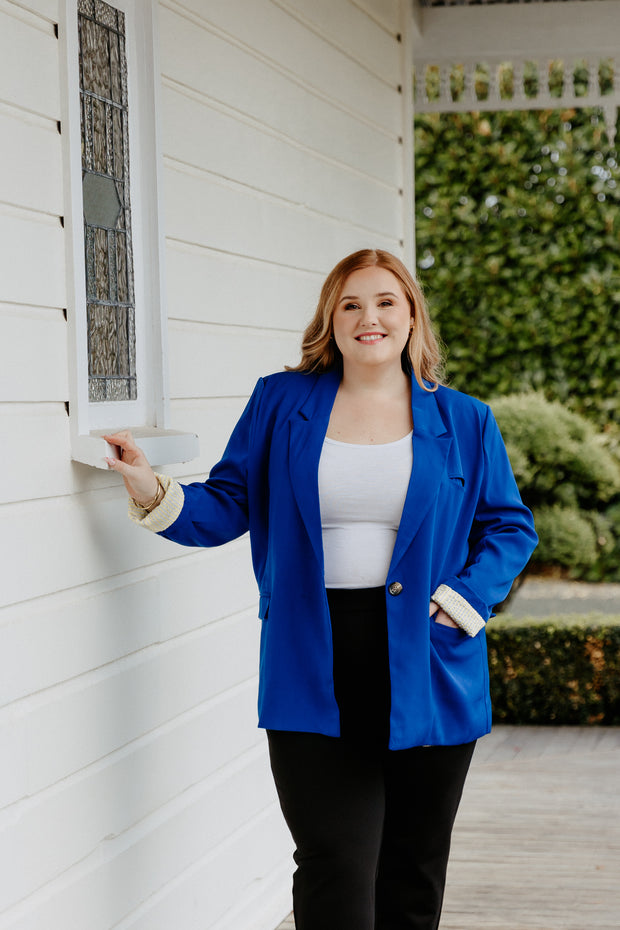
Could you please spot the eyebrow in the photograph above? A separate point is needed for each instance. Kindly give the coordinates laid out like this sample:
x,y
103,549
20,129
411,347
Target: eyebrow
x,y
382,294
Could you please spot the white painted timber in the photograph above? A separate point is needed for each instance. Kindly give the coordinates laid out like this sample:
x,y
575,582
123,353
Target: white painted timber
x,y
36,450
384,12
206,892
204,211
72,541
108,800
210,286
261,29
28,143
193,135
138,795
36,453
83,721
83,629
217,69
351,30
535,30
31,240
213,419
29,432
224,360
34,88
32,333
124,865
46,9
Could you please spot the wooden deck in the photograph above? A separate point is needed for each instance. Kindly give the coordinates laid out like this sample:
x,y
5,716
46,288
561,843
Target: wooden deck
x,y
537,841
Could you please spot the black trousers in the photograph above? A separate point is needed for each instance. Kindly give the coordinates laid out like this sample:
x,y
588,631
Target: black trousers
x,y
372,826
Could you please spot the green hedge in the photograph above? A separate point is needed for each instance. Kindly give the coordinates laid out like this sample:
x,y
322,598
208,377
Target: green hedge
x,y
556,670
518,244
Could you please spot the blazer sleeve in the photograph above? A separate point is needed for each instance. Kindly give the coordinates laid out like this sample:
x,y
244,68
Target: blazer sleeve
x,y
501,541
216,510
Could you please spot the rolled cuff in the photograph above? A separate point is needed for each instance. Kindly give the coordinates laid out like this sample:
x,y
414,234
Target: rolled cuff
x,y
166,511
461,611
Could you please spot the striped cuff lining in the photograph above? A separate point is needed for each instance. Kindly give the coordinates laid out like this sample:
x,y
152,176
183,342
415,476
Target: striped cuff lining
x,y
461,611
165,513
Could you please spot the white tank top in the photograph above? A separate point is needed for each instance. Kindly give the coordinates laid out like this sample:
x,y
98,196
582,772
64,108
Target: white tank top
x,y
362,490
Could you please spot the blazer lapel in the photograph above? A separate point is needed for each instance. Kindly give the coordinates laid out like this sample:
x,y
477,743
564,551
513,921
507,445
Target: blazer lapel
x,y
431,446
308,427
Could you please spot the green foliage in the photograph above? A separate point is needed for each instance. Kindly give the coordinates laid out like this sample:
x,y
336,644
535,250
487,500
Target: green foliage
x,y
518,236
569,476
555,671
565,538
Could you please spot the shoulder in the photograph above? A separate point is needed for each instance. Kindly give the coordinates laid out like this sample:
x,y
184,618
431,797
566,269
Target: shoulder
x,y
284,391
290,380
452,400
469,419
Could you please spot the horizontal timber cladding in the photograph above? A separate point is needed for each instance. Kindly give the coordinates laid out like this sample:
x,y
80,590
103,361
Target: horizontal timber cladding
x,y
138,798
218,361
81,722
108,620
32,240
139,795
351,29
33,333
267,33
27,143
364,137
279,165
27,40
216,213
27,428
209,286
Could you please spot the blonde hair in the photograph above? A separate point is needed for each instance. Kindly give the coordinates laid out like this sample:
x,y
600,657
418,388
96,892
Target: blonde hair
x,y
422,354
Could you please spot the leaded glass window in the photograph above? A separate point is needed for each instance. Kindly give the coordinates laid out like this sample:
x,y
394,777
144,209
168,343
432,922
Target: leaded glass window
x,y
110,298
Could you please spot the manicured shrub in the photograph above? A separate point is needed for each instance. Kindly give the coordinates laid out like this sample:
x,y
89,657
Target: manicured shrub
x,y
565,538
569,476
556,670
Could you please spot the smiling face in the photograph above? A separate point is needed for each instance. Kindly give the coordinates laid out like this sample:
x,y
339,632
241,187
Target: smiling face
x,y
372,319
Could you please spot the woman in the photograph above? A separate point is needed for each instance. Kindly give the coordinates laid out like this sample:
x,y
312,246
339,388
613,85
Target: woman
x,y
385,524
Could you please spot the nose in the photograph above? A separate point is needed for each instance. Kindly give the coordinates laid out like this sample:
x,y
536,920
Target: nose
x,y
369,317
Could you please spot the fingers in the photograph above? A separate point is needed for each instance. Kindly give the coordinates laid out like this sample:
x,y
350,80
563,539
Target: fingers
x,y
433,608
124,439
119,466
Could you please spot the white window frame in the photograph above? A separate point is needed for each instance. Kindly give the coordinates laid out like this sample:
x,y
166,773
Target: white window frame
x,y
148,416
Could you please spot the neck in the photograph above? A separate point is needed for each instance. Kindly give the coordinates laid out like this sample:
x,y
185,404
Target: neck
x,y
390,381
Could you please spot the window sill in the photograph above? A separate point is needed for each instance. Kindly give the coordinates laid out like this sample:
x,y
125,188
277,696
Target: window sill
x,y
161,447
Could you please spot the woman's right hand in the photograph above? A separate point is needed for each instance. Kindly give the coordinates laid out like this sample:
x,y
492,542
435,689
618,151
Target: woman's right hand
x,y
139,477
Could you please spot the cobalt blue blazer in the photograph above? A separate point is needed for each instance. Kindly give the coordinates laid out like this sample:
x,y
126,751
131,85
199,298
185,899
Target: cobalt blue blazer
x,y
463,525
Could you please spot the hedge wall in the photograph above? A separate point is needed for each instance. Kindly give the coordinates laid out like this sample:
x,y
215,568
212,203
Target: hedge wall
x,y
556,670
518,242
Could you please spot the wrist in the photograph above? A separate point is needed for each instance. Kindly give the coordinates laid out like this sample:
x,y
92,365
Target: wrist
x,y
152,502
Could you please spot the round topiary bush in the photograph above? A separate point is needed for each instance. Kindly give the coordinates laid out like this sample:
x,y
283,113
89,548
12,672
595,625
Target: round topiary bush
x,y
570,478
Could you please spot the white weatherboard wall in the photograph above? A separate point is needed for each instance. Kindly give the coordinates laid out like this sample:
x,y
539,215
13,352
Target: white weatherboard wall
x,y
134,791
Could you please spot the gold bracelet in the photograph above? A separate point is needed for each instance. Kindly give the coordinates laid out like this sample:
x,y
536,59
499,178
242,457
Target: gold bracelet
x,y
155,501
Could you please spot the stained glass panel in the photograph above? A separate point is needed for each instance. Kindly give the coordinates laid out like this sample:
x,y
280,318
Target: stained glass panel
x,y
107,204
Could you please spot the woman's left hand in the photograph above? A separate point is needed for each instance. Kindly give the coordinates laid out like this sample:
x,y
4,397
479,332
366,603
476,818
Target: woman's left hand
x,y
440,615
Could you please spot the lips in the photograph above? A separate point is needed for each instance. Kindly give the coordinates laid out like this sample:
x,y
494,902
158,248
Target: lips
x,y
370,337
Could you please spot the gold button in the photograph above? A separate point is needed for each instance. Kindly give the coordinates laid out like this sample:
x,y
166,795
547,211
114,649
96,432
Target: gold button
x,y
395,588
